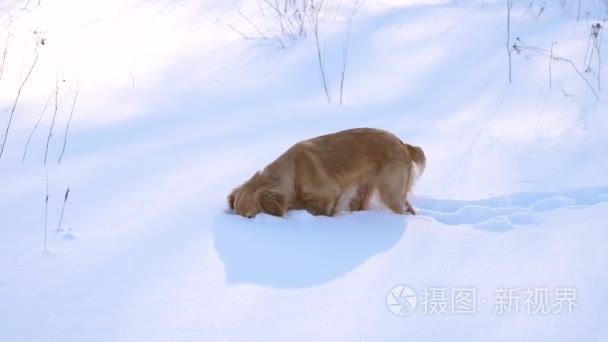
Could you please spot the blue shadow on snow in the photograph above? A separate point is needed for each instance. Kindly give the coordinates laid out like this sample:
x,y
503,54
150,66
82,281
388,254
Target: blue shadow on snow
x,y
301,250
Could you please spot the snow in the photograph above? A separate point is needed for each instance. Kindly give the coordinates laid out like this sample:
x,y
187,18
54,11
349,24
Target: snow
x,y
175,109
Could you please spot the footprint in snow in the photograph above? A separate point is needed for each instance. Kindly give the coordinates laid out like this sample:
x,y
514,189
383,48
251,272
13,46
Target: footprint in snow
x,y
502,213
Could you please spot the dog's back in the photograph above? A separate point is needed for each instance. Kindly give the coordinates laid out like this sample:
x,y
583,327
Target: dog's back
x,y
355,150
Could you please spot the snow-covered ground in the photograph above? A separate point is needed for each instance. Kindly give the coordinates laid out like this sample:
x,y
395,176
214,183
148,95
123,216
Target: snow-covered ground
x,y
174,109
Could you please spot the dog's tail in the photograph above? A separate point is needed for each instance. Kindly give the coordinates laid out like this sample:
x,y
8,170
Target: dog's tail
x,y
417,156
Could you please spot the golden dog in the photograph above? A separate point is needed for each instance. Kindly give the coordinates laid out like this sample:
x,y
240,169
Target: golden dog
x,y
326,173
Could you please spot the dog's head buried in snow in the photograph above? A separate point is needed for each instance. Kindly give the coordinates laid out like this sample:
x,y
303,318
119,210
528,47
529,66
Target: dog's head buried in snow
x,y
332,173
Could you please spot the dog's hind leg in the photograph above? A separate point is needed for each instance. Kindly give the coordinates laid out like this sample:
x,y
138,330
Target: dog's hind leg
x,y
391,197
392,188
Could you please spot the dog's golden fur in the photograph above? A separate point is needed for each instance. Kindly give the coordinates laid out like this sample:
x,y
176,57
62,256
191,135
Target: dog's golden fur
x,y
324,173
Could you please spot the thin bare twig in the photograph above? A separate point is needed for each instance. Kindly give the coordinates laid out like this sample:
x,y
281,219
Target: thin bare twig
x,y
557,58
10,119
599,67
279,40
239,32
67,128
597,43
48,139
46,206
356,6
509,7
320,52
28,3
337,9
594,43
279,14
562,89
252,24
27,144
65,200
551,62
5,52
132,72
343,72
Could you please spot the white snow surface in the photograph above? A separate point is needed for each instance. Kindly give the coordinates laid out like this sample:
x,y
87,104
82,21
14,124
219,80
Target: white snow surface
x,y
175,109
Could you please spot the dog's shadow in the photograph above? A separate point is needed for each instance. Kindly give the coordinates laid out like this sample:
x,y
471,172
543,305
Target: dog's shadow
x,y
301,250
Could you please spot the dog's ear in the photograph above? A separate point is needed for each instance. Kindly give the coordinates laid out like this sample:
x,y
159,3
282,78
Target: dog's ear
x,y
272,202
231,198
